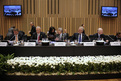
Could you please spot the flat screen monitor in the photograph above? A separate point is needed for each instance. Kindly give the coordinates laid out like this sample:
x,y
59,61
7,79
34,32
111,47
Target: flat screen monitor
x,y
12,10
109,11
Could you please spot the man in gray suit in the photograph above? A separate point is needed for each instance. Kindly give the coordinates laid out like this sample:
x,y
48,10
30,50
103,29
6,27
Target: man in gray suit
x,y
10,32
60,36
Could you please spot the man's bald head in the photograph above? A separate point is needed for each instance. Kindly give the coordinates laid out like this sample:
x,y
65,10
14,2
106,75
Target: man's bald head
x,y
100,31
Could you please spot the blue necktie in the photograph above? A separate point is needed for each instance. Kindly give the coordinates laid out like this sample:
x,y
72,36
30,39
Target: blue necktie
x,y
99,37
80,39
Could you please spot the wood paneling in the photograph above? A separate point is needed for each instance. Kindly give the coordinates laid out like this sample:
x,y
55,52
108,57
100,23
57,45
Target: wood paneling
x,y
69,14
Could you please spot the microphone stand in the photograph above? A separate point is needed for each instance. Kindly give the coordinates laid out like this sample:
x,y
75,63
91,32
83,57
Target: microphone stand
x,y
110,38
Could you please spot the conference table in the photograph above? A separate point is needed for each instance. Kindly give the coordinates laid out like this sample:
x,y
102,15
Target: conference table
x,y
78,50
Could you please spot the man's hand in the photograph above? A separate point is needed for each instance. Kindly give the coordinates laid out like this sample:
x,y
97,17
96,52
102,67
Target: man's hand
x,y
107,40
28,31
57,39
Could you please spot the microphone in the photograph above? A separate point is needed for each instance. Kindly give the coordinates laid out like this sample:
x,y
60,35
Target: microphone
x,y
88,38
110,37
12,38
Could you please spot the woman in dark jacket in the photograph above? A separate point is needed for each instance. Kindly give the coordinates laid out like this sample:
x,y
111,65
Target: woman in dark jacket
x,y
52,34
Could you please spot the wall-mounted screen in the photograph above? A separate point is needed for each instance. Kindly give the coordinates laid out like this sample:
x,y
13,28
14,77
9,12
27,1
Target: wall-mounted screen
x,y
12,10
109,11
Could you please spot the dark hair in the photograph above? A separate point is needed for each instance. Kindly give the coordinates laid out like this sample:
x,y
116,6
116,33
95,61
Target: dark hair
x,y
82,25
15,29
50,30
118,33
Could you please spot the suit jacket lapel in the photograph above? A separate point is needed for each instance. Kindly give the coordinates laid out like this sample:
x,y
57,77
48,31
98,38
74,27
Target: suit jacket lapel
x,y
77,36
83,36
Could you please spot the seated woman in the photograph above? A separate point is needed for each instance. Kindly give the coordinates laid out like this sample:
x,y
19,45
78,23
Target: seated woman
x,y
118,36
52,34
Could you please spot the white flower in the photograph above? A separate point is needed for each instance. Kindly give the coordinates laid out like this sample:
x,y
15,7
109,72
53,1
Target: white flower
x,y
52,61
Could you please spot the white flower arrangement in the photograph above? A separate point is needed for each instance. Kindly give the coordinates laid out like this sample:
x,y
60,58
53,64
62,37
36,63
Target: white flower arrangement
x,y
64,65
53,60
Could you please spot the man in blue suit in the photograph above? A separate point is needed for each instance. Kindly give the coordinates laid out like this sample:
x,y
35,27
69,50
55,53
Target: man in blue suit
x,y
80,36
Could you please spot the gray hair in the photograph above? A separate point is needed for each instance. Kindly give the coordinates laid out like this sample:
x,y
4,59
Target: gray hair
x,y
38,27
81,27
99,29
60,29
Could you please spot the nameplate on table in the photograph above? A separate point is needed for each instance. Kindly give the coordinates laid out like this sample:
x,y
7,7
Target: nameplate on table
x,y
115,43
29,44
59,44
89,44
3,43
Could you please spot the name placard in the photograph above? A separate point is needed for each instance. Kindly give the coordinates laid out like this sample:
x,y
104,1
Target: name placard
x,y
29,44
59,44
89,44
3,43
115,43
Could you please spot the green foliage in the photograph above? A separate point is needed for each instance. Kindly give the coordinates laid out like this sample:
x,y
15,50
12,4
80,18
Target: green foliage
x,y
3,65
60,68
69,68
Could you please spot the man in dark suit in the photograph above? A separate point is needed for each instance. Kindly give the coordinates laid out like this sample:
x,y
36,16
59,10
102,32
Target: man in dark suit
x,y
16,35
118,36
38,35
66,35
80,36
33,28
99,35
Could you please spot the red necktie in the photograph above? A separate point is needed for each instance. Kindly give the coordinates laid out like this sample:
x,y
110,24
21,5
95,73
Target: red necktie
x,y
38,37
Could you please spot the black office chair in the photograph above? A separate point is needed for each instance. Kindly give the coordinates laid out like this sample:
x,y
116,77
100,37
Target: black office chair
x,y
28,37
22,33
91,37
1,37
24,38
70,37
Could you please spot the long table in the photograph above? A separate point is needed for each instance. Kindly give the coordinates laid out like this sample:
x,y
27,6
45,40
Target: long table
x,y
61,51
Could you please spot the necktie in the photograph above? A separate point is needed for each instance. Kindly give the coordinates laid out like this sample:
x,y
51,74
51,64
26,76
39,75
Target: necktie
x,y
99,37
60,36
80,39
38,37
16,38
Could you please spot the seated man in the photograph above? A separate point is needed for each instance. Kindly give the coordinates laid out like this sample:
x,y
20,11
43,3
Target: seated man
x,y
10,32
99,35
15,36
38,35
66,34
60,36
80,36
118,36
